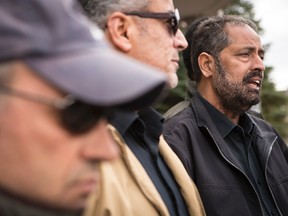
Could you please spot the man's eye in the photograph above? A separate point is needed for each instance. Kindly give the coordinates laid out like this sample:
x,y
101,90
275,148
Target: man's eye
x,y
245,54
170,26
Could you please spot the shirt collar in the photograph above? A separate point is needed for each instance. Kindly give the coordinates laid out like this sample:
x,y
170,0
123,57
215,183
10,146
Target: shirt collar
x,y
246,123
122,121
224,125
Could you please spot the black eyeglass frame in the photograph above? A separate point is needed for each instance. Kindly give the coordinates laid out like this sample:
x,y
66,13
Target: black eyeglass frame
x,y
76,117
173,17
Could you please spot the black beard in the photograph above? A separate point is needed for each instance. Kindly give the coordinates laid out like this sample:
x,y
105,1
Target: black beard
x,y
235,97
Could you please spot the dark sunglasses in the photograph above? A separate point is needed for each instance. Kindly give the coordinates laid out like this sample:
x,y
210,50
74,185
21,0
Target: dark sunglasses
x,y
75,116
172,17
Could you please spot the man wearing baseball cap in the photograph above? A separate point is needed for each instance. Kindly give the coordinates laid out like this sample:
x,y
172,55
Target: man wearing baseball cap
x,y
59,80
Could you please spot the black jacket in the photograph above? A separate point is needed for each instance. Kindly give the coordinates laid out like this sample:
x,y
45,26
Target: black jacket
x,y
224,188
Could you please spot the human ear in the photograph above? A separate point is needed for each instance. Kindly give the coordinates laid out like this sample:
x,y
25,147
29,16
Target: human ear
x,y
117,31
206,64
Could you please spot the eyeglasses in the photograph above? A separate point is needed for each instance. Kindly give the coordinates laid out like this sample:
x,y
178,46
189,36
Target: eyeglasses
x,y
172,17
75,116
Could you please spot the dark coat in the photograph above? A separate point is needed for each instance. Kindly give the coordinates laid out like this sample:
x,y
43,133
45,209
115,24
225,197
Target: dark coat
x,y
225,190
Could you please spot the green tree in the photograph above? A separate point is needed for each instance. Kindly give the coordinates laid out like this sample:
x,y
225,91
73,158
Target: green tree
x,y
245,9
274,105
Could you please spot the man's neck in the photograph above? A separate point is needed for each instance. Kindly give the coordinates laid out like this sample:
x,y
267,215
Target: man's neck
x,y
216,103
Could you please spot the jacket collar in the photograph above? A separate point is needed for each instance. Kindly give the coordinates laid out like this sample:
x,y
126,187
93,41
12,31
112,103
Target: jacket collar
x,y
264,138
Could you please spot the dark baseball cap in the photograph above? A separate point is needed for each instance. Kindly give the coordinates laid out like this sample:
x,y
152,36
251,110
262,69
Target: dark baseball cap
x,y
60,44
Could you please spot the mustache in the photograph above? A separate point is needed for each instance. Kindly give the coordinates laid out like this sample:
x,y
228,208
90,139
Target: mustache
x,y
252,74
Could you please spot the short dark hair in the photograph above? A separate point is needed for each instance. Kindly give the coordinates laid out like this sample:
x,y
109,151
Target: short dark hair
x,y
186,54
209,35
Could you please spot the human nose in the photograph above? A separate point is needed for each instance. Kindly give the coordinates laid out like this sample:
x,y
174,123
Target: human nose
x,y
258,63
180,41
99,145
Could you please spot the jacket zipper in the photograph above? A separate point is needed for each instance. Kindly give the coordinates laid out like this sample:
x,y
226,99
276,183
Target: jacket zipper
x,y
266,164
234,166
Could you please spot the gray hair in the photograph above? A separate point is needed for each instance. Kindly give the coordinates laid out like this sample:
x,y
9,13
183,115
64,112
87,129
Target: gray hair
x,y
99,10
210,36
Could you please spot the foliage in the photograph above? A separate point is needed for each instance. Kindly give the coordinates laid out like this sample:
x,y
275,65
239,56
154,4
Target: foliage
x,y
245,9
274,105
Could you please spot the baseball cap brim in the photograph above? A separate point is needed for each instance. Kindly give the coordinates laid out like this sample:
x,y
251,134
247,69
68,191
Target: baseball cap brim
x,y
102,77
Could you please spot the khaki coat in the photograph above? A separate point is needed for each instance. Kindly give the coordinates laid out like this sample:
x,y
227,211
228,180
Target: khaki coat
x,y
127,190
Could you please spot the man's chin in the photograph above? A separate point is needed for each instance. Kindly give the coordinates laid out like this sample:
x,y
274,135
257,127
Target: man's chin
x,y
173,83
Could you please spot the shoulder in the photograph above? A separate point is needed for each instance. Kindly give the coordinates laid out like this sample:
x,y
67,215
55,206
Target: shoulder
x,y
184,117
260,122
176,109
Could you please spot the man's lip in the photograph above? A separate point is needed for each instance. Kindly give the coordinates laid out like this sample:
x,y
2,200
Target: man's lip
x,y
176,61
88,184
255,82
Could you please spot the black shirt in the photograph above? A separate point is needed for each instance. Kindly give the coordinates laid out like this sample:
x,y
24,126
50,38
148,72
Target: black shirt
x,y
239,140
141,132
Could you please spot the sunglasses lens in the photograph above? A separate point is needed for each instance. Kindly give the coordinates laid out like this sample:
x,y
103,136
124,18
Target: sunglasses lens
x,y
80,117
174,25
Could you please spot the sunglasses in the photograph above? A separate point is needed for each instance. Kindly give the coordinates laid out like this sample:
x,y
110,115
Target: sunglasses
x,y
172,17
75,116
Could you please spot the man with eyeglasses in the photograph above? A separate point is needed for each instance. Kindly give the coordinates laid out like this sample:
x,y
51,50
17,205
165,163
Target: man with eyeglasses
x,y
57,88
148,179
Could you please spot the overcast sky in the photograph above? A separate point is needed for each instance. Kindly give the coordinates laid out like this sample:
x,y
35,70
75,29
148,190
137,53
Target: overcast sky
x,y
274,17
